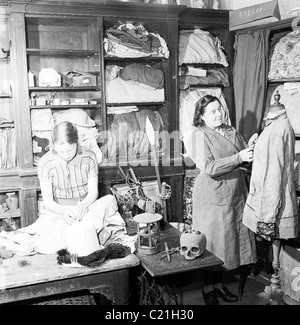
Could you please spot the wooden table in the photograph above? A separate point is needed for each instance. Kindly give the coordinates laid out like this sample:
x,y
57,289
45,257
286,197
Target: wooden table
x,y
43,277
158,267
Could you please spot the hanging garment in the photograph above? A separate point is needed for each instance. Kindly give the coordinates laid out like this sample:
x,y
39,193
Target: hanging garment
x,y
219,196
250,80
271,209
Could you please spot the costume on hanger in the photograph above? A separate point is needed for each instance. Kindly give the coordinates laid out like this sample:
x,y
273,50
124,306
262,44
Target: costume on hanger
x,y
271,209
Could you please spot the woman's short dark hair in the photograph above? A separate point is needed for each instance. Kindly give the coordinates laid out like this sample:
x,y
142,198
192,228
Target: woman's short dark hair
x,y
200,108
64,132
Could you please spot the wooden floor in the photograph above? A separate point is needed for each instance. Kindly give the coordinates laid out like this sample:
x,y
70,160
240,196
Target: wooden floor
x,y
191,294
252,294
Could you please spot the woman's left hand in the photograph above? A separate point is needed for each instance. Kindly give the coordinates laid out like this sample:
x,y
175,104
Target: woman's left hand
x,y
81,210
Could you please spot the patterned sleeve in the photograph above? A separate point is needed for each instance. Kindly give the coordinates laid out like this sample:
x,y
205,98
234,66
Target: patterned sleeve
x,y
43,169
93,166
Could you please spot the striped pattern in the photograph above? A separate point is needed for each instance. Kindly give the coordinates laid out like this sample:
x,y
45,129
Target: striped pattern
x,y
69,179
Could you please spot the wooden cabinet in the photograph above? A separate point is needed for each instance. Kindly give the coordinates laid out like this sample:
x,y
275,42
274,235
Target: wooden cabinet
x,y
64,44
69,36
215,22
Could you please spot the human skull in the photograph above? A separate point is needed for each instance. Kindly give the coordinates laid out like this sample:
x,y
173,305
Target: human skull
x,y
192,244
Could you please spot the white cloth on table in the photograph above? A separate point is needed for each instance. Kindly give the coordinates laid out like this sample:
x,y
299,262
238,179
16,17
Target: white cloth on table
x,y
47,234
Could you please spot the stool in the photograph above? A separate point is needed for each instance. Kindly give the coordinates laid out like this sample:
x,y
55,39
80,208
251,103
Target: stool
x,y
148,231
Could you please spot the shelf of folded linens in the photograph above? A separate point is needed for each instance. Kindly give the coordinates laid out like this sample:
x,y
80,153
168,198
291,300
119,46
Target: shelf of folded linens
x,y
283,80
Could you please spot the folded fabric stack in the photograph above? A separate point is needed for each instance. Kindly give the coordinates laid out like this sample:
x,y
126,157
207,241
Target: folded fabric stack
x,y
135,83
198,46
217,77
129,40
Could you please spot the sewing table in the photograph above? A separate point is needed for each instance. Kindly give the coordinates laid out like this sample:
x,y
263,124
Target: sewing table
x,y
41,276
155,267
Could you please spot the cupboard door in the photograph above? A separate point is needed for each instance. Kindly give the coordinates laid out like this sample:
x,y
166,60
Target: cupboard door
x,y
63,66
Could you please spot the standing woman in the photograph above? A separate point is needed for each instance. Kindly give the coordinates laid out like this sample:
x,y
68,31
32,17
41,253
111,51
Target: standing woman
x,y
219,194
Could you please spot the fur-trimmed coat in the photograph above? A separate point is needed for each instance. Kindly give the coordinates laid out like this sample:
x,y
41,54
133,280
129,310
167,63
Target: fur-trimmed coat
x,y
271,209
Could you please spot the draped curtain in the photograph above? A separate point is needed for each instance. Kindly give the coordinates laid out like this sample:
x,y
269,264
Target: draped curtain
x,y
250,77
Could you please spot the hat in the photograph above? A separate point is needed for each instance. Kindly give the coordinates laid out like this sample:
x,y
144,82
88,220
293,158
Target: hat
x,y
77,116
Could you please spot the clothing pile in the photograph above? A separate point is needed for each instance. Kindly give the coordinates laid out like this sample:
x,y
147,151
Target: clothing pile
x,y
135,83
217,77
128,40
198,46
127,137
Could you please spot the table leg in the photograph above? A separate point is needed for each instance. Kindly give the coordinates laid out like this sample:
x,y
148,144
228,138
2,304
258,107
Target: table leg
x,y
153,294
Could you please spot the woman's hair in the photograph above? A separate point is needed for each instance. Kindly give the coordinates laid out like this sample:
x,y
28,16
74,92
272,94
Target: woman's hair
x,y
64,132
200,108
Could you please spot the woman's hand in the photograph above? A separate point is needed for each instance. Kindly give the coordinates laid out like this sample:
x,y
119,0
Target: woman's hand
x,y
247,155
252,141
81,210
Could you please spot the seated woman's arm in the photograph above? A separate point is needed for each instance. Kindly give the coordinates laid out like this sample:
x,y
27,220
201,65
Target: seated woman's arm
x,y
92,196
50,204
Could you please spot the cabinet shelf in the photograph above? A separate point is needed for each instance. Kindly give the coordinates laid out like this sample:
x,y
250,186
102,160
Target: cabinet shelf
x,y
62,53
284,80
63,106
5,95
9,213
7,125
207,86
204,65
10,172
147,59
135,104
83,88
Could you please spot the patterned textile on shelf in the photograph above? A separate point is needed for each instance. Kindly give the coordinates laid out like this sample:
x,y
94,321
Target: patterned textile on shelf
x,y
198,46
285,58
